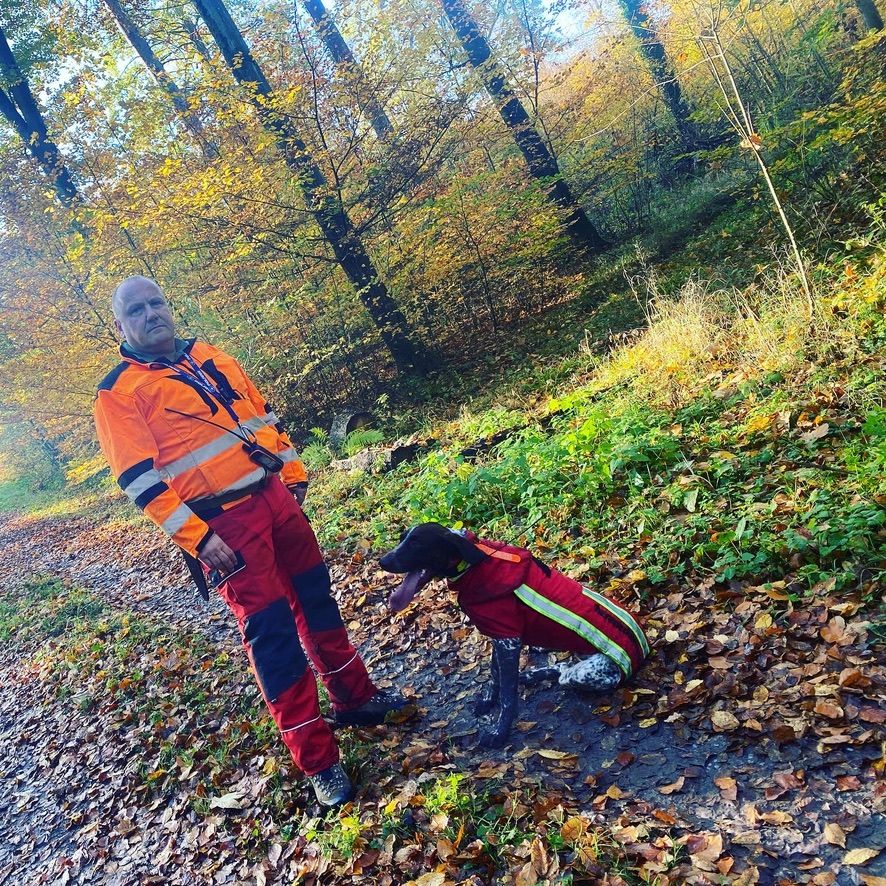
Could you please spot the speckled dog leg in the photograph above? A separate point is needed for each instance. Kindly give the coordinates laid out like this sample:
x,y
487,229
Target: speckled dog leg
x,y
598,673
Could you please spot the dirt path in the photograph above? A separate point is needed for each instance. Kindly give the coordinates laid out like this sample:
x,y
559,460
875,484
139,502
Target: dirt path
x,y
766,788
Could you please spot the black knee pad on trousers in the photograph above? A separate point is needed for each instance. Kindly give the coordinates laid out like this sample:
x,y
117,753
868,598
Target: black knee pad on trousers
x,y
315,597
272,637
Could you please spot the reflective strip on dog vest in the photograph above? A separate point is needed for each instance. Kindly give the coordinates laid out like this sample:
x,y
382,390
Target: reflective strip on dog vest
x,y
579,625
622,615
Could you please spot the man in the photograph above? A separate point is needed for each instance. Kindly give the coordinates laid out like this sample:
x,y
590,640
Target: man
x,y
191,442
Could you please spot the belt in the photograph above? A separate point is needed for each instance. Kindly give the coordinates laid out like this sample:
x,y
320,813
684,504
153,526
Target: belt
x,y
212,505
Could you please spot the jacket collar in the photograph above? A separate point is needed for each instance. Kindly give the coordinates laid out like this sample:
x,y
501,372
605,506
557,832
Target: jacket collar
x,y
182,346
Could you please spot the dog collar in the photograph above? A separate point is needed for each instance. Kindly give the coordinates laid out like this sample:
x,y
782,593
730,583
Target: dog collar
x,y
460,570
464,566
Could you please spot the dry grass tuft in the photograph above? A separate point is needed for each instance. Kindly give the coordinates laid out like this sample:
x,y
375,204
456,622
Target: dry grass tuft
x,y
704,332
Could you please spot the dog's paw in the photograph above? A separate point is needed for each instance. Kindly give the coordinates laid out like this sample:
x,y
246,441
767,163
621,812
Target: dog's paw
x,y
493,739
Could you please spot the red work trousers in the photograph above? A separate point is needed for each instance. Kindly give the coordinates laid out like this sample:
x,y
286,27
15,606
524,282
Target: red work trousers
x,y
284,608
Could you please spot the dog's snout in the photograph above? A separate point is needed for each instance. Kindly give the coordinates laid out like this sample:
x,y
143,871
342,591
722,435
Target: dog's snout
x,y
388,562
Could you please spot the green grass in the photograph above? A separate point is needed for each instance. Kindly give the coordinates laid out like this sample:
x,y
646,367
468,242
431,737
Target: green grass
x,y
46,607
729,440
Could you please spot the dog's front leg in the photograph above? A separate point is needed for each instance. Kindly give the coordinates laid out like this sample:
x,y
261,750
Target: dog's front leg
x,y
506,656
487,697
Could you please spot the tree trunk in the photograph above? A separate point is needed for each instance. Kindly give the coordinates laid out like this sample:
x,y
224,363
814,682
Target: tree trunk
x,y
192,29
346,63
18,106
542,164
327,210
873,21
140,44
660,66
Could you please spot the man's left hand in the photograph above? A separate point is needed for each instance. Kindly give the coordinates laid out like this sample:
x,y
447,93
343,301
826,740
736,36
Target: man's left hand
x,y
299,490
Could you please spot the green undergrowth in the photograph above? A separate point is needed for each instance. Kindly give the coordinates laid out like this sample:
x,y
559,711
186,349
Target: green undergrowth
x,y
742,436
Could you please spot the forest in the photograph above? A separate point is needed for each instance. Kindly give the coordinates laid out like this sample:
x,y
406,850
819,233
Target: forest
x,y
607,280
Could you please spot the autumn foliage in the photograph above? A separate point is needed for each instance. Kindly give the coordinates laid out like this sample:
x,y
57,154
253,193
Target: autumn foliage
x,y
465,242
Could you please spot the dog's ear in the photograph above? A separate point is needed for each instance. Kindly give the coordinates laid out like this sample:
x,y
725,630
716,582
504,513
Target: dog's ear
x,y
466,549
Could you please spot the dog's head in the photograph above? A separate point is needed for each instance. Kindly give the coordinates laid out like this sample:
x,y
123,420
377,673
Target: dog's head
x,y
426,551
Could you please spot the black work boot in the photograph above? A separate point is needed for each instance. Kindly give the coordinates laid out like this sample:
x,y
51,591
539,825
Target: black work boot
x,y
373,711
332,786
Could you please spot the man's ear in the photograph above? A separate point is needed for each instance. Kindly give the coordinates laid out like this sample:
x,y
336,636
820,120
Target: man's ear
x,y
119,329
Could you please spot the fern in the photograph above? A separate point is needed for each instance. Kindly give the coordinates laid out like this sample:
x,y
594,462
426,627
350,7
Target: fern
x,y
316,455
361,439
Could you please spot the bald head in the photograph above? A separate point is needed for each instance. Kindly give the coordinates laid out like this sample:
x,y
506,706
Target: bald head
x,y
134,283
143,318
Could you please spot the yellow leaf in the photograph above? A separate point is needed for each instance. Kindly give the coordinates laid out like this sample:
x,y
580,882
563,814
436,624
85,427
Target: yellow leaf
x,y
554,755
758,423
834,834
860,856
776,816
763,621
724,721
725,783
573,829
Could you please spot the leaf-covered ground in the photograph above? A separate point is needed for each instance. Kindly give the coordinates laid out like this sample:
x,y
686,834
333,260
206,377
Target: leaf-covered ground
x,y
747,751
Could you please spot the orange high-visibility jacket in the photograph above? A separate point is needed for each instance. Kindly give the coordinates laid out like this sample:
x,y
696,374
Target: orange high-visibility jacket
x,y
163,460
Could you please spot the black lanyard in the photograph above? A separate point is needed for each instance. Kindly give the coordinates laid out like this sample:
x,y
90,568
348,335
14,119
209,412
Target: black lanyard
x,y
199,377
264,458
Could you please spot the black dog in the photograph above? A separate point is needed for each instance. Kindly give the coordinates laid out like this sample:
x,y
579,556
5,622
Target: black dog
x,y
516,600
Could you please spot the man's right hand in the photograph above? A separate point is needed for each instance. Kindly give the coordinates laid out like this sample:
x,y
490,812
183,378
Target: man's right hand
x,y
217,555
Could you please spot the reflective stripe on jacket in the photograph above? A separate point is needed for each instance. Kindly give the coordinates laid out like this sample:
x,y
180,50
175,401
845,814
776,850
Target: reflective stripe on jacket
x,y
162,459
511,594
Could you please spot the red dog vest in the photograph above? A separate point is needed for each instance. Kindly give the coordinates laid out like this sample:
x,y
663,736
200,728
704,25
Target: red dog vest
x,y
509,594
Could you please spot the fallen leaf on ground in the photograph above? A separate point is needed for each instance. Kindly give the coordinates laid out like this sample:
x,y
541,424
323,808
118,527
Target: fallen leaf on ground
x,y
834,834
860,856
724,721
673,787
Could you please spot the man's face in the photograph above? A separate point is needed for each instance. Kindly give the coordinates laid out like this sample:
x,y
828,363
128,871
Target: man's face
x,y
144,319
